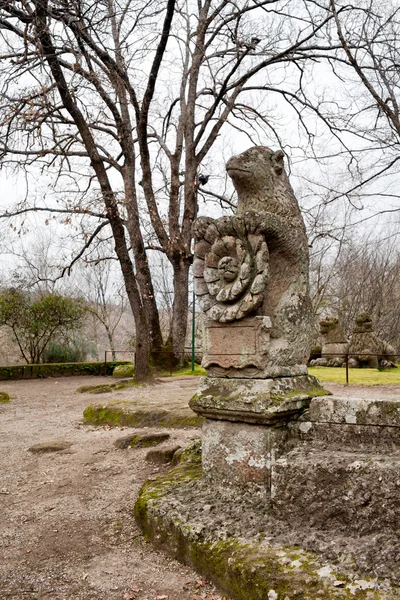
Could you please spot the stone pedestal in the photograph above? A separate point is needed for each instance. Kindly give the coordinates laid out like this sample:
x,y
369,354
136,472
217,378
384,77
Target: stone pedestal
x,y
247,424
243,350
236,345
240,454
330,462
261,401
335,350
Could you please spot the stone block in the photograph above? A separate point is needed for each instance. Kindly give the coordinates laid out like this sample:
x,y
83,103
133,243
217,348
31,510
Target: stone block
x,y
162,455
337,436
241,349
356,411
240,454
336,349
236,344
255,400
350,491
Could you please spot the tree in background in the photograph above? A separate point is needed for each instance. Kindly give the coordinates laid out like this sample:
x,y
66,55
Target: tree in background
x,y
36,322
368,32
368,280
360,275
123,102
105,298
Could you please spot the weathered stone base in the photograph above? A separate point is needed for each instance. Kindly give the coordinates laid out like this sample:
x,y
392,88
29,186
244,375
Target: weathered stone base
x,y
344,470
234,540
307,508
263,401
241,454
344,490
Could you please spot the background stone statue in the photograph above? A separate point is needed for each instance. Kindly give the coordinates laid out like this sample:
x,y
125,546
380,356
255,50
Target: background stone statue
x,y
365,344
335,344
256,265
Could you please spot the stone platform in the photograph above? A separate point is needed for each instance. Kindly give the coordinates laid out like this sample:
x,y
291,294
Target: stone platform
x,y
335,463
238,540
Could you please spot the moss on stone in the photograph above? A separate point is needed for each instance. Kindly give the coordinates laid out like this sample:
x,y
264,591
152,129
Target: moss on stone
x,y
105,388
278,397
124,414
187,469
4,397
94,389
242,571
124,370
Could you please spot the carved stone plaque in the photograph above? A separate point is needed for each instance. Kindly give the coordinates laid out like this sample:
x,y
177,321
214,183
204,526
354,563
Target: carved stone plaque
x,y
237,345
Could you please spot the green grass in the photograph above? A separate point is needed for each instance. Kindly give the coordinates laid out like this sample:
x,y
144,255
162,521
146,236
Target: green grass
x,y
357,376
198,371
337,375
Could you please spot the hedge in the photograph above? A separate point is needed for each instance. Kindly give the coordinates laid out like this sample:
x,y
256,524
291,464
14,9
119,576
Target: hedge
x,y
59,370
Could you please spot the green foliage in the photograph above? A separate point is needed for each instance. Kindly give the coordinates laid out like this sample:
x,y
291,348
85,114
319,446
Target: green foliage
x,y
36,321
57,352
58,370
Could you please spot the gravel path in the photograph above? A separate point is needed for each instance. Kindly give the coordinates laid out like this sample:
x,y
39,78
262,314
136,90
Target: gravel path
x,y
67,530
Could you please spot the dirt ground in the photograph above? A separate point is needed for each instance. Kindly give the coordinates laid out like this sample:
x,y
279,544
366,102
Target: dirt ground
x,y
67,530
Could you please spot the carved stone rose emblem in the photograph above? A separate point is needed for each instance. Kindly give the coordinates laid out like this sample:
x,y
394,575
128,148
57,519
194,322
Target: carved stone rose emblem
x,y
231,267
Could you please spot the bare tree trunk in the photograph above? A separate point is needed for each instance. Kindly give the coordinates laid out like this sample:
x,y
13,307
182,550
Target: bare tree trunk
x,y
111,342
143,276
180,307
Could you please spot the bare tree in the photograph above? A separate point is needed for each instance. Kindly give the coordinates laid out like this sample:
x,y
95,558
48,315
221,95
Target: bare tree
x,y
105,298
369,34
367,278
123,102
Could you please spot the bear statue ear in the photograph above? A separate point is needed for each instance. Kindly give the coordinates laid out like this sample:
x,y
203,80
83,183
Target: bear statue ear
x,y
277,161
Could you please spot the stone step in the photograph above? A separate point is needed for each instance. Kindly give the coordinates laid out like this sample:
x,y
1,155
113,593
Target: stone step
x,y
339,490
335,436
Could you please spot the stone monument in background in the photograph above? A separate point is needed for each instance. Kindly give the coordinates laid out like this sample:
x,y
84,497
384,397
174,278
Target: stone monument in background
x,y
335,344
251,278
366,348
